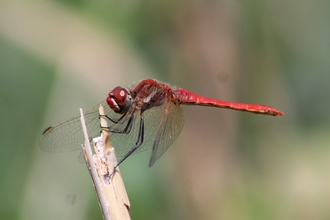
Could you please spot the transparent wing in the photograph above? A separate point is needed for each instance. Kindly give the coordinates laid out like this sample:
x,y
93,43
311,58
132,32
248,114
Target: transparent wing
x,y
160,131
169,129
68,136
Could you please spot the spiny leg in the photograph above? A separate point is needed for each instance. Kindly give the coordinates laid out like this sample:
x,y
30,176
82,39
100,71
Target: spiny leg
x,y
128,127
138,142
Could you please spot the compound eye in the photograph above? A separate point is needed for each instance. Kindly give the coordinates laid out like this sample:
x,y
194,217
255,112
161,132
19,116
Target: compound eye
x,y
119,100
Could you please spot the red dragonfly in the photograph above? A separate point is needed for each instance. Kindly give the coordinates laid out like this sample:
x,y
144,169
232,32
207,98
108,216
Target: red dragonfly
x,y
143,116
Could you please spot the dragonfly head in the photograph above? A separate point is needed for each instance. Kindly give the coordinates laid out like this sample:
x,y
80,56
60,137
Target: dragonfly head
x,y
119,100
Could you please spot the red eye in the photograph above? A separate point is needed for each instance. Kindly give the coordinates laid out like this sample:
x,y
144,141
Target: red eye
x,y
119,94
119,100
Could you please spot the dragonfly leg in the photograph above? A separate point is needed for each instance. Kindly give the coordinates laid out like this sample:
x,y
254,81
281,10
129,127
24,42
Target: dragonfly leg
x,y
128,127
113,119
138,142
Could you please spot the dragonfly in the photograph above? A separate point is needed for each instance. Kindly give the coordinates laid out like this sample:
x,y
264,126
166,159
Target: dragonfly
x,y
145,115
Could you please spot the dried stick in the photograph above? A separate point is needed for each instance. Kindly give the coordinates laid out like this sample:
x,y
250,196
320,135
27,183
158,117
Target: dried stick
x,y
108,184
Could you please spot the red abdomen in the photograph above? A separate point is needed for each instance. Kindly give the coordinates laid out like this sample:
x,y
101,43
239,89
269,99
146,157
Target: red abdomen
x,y
188,98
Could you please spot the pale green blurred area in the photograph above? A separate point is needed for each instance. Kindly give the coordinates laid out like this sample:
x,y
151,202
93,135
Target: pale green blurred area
x,y
57,56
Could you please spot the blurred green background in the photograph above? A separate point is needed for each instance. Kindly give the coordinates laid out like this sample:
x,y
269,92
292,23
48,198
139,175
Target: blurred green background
x,y
57,56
